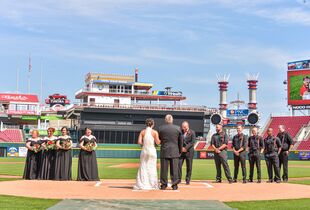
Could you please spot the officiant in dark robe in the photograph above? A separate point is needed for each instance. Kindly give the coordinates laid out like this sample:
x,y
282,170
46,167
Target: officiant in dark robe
x,y
187,154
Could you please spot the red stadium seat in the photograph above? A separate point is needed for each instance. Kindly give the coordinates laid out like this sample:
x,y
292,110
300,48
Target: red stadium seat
x,y
292,123
304,145
200,145
11,135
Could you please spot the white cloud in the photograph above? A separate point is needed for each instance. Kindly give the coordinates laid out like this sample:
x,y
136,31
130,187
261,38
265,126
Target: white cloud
x,y
292,13
254,55
160,54
286,15
124,59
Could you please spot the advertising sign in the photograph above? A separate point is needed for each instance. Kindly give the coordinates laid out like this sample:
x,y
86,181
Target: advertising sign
x,y
12,152
22,151
237,113
295,65
19,98
304,155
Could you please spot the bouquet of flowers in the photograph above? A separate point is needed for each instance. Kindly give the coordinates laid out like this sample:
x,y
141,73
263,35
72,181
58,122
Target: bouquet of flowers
x,y
50,145
66,144
90,146
36,148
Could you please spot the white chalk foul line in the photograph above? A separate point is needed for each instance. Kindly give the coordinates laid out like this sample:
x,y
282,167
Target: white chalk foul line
x,y
98,184
171,191
208,185
141,190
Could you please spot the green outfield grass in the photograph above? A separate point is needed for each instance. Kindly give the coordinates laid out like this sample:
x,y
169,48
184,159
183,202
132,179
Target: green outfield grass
x,y
110,168
274,204
305,181
12,202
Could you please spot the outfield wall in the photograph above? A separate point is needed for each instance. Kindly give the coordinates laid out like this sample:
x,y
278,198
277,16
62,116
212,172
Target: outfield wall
x,y
126,151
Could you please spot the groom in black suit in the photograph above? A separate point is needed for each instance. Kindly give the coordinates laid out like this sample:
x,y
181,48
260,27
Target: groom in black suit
x,y
170,150
189,138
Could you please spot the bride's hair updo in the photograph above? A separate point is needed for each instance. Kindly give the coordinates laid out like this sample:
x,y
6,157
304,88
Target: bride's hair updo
x,y
149,122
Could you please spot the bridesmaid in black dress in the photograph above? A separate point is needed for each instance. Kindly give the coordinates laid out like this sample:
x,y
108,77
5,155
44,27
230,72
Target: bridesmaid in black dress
x,y
87,166
34,155
49,155
63,162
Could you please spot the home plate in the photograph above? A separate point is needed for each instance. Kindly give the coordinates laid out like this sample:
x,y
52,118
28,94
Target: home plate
x,y
98,184
141,190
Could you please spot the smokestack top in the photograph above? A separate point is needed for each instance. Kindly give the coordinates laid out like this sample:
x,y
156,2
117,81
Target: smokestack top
x,y
136,74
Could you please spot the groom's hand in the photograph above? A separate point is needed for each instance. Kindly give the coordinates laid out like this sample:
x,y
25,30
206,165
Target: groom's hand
x,y
184,149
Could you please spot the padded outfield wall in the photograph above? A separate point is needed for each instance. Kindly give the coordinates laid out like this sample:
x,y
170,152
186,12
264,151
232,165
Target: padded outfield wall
x,y
125,151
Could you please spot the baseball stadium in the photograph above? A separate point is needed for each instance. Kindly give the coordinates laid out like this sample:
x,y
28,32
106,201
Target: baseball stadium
x,y
155,104
109,107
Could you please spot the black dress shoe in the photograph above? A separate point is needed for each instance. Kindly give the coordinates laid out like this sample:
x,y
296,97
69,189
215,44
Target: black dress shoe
x,y
235,180
285,180
244,181
218,181
175,187
230,181
278,181
250,180
163,187
270,181
259,181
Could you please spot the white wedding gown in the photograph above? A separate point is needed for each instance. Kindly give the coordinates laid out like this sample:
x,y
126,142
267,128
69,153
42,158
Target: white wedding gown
x,y
147,173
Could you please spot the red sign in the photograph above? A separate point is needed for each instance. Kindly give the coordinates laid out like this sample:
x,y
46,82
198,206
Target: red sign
x,y
19,98
21,112
203,155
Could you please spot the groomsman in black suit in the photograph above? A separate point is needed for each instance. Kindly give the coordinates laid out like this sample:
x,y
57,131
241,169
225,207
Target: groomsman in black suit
x,y
170,151
239,144
187,154
219,142
287,144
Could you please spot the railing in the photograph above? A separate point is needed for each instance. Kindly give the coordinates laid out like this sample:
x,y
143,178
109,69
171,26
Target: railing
x,y
127,91
149,107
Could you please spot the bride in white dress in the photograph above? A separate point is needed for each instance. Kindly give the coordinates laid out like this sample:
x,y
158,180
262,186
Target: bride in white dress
x,y
147,174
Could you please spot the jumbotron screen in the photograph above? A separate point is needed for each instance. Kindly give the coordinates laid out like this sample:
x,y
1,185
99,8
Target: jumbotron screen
x,y
298,86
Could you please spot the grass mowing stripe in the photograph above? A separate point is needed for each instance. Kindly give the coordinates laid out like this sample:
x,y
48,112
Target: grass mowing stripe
x,y
202,169
272,204
13,202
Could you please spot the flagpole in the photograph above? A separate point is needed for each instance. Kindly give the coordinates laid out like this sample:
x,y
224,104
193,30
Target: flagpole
x,y
17,78
29,71
41,82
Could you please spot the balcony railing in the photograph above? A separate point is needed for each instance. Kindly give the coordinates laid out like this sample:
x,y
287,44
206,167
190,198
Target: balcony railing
x,y
126,91
149,107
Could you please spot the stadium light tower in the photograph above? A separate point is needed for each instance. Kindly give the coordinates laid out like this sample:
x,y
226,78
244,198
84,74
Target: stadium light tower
x,y
223,88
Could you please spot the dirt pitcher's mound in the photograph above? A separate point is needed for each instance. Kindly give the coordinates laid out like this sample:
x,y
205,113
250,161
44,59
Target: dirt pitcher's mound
x,y
122,190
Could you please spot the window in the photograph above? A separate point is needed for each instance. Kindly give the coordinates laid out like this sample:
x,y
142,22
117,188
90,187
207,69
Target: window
x,y
118,137
131,137
92,101
112,137
21,107
125,137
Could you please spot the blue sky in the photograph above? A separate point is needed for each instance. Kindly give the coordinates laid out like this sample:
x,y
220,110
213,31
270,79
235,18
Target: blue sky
x,y
178,43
